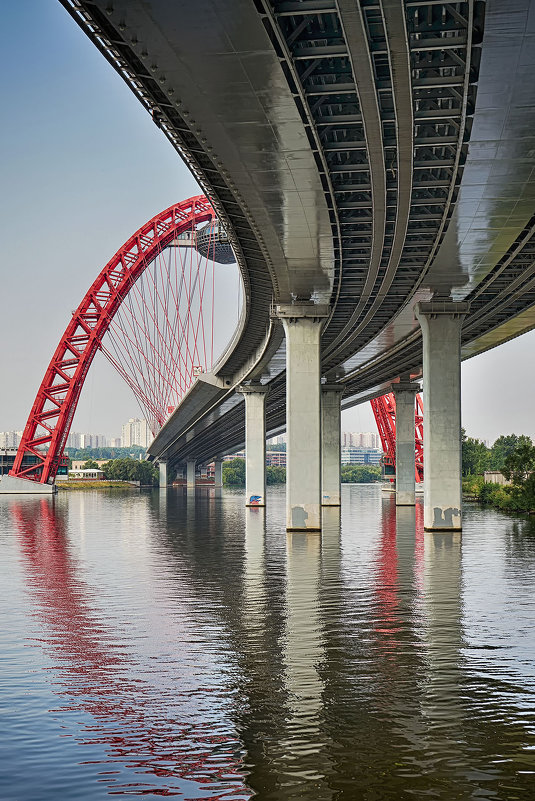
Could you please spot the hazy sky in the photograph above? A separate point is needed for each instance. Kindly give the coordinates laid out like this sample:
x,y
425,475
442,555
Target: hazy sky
x,y
83,166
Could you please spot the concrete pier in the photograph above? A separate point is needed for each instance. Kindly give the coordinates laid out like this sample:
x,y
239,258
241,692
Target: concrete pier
x,y
441,323
404,393
163,473
218,473
13,485
255,443
331,398
190,474
302,326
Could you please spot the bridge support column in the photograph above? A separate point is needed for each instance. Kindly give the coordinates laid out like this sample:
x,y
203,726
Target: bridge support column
x,y
218,473
331,397
441,323
255,443
302,326
190,473
404,393
163,474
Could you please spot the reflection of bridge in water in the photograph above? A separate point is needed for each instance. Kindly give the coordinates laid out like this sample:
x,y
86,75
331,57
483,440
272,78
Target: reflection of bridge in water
x,y
284,663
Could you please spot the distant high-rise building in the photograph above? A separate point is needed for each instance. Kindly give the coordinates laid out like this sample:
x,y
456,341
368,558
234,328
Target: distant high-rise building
x,y
10,439
136,432
361,455
73,440
356,439
280,440
81,441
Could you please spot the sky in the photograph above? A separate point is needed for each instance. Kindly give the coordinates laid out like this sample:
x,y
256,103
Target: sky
x,y
84,166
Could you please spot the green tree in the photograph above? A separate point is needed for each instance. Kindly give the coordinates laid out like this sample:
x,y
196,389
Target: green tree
x,y
90,465
234,473
360,473
106,469
131,470
520,463
519,468
105,453
475,456
505,445
275,475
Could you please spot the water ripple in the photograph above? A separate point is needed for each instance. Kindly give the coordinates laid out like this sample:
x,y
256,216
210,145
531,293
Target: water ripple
x,y
166,644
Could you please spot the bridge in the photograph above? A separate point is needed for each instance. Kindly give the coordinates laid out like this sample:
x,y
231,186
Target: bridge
x,y
371,165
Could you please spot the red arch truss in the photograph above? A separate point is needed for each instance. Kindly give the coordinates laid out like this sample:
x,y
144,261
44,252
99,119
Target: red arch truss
x,y
51,416
384,410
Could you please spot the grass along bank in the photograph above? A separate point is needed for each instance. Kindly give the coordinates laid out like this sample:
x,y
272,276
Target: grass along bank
x,y
92,485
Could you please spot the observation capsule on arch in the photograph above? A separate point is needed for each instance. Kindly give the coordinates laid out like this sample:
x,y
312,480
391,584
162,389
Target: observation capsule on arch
x,y
213,243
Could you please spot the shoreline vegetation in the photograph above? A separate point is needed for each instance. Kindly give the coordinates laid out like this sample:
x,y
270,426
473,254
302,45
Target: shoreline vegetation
x,y
514,457
506,498
87,484
234,474
126,473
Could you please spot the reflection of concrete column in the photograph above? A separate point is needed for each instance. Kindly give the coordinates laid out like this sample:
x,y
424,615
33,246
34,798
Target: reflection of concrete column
x,y
255,443
253,577
163,474
441,324
331,396
404,393
442,695
302,326
303,654
218,473
190,474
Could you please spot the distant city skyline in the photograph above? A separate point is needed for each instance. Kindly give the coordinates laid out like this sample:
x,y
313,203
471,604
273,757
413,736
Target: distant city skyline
x,y
97,170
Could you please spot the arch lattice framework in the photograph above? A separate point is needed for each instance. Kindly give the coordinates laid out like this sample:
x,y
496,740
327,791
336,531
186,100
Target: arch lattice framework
x,y
50,419
384,410
155,384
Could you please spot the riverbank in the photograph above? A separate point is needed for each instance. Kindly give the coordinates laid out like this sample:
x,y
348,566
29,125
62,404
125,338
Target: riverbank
x,y
506,498
96,485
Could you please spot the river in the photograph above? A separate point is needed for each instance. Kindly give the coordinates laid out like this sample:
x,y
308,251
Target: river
x,y
173,644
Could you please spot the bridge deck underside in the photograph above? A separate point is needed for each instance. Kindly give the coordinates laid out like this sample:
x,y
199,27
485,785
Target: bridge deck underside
x,y
367,154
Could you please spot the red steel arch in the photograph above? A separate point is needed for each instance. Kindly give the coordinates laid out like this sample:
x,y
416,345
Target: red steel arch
x,y
51,416
384,410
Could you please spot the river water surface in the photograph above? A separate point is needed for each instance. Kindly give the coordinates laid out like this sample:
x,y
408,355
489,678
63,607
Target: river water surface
x,y
166,644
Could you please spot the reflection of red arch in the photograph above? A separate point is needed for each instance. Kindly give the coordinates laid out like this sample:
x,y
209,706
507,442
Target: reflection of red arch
x,y
51,416
100,678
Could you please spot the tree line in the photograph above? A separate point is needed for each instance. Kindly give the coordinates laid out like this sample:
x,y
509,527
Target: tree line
x,y
512,455
234,474
104,453
127,470
477,457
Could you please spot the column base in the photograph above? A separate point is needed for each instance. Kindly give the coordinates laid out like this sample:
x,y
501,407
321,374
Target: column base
x,y
334,503
311,530
13,485
443,530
